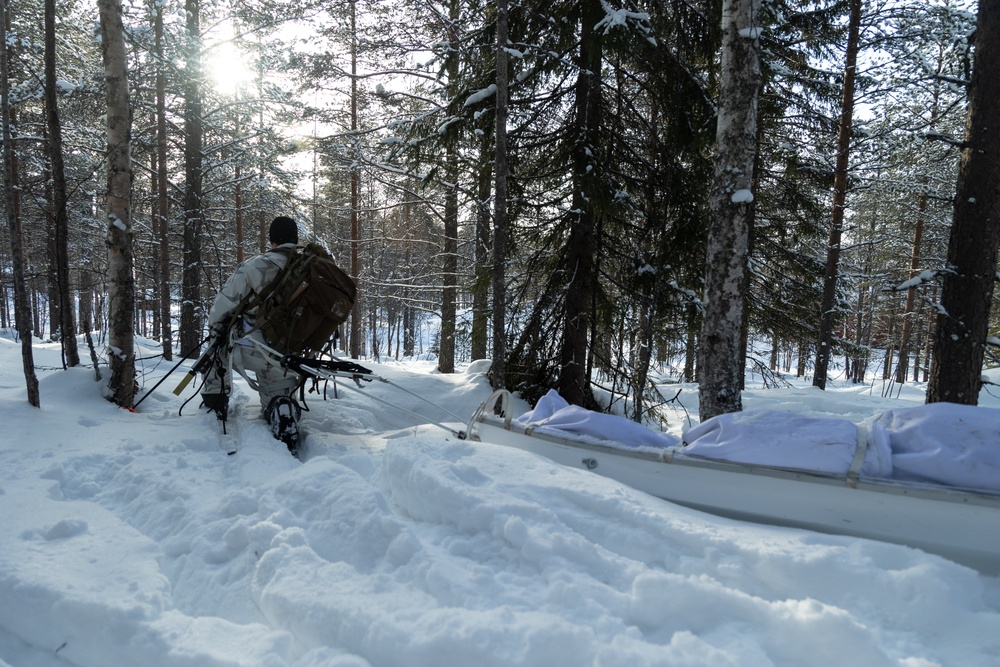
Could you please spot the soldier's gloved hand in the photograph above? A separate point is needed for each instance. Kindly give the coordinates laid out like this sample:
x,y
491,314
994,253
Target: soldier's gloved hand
x,y
217,336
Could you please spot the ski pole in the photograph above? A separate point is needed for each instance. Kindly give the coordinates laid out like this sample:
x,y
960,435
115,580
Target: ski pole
x,y
171,371
203,365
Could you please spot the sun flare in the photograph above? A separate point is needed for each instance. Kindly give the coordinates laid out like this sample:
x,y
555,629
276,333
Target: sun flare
x,y
229,68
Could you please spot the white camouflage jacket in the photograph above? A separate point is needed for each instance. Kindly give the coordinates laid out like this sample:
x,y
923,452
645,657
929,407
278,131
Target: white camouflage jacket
x,y
252,275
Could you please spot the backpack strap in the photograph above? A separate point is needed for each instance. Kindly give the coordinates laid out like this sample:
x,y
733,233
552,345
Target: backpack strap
x,y
281,285
254,299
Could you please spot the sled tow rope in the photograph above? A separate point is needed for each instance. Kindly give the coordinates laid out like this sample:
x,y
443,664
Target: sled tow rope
x,y
333,368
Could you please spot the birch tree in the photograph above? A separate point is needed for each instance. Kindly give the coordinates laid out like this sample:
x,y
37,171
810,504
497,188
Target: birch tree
x,y
118,202
720,358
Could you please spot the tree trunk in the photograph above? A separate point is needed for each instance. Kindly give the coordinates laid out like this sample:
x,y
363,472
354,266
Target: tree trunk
x,y
154,218
909,315
22,316
86,301
163,199
238,205
33,294
449,260
581,247
828,314
911,293
650,295
355,193
720,361
449,268
191,307
67,327
930,322
498,369
860,340
51,280
5,317
409,312
480,289
121,289
918,345
963,322
890,342
691,345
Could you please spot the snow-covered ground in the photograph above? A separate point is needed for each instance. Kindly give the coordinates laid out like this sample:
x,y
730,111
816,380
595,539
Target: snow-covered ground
x,y
137,540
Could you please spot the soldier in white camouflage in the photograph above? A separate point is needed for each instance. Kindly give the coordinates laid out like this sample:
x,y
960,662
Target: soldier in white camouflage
x,y
273,383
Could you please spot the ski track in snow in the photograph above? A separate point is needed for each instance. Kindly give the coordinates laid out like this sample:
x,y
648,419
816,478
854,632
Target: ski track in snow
x,y
144,543
203,563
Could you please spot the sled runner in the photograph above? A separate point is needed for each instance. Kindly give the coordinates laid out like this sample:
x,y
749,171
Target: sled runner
x,y
957,523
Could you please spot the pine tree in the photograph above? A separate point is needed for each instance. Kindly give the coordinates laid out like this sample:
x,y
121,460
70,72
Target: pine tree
x,y
824,346
21,308
60,222
498,370
191,306
963,322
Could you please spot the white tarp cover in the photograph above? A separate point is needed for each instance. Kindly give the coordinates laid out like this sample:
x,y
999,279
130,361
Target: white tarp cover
x,y
552,414
784,440
941,443
945,443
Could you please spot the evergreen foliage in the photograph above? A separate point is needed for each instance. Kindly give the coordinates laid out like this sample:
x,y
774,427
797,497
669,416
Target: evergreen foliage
x,y
378,136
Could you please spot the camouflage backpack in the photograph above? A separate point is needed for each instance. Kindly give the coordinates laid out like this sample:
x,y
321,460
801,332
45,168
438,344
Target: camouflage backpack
x,y
300,310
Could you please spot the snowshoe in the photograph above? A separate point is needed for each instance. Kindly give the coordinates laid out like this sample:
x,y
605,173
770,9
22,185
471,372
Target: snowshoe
x,y
283,415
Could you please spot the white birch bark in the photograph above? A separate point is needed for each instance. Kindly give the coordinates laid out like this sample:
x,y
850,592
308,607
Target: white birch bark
x,y
121,286
720,358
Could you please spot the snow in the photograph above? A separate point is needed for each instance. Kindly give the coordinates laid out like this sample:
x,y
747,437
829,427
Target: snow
x,y
918,280
117,222
479,96
743,196
620,18
134,539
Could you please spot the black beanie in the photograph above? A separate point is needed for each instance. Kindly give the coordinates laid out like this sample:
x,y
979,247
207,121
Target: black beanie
x,y
283,230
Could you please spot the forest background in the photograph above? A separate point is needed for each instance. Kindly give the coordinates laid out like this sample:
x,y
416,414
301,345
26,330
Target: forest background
x,y
547,202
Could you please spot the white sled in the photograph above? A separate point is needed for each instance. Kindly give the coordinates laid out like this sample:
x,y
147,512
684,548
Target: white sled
x,y
960,524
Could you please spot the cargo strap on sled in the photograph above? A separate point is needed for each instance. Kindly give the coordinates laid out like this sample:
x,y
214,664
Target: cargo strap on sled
x,y
328,369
